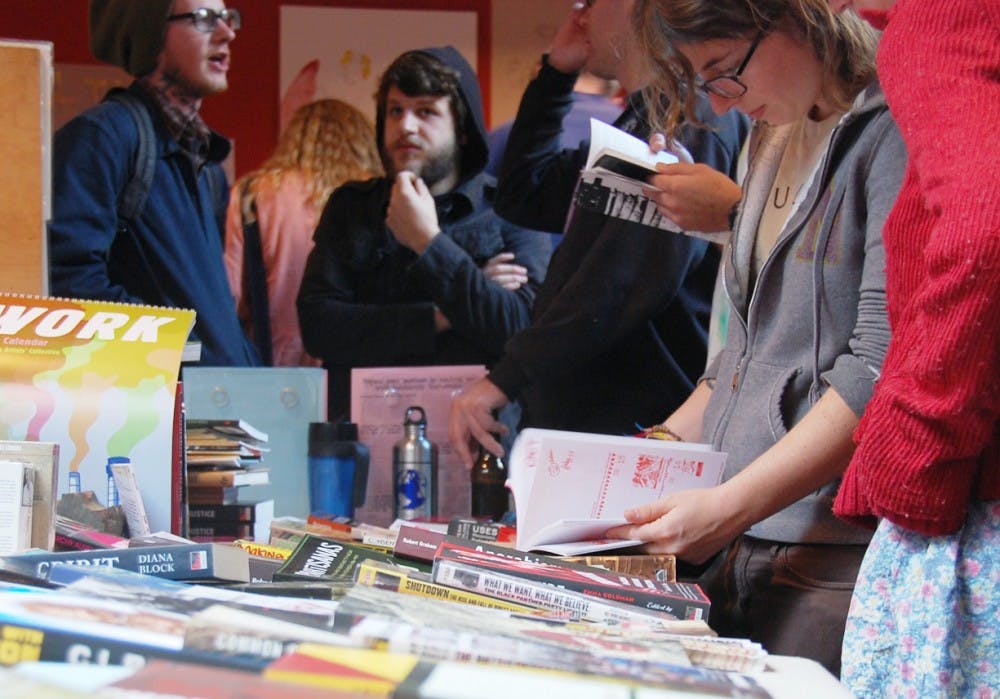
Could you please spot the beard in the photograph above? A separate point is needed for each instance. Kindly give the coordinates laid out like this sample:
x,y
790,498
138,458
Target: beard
x,y
435,166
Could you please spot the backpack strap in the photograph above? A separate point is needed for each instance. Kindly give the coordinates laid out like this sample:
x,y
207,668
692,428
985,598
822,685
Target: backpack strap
x,y
133,197
255,277
218,191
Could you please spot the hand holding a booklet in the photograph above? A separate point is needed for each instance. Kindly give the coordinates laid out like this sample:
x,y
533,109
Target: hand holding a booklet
x,y
693,195
689,525
656,184
571,487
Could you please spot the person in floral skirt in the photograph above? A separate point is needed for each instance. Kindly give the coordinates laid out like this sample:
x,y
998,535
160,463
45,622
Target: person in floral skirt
x,y
926,607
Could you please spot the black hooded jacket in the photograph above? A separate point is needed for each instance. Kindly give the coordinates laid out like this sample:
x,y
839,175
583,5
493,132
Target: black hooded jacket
x,y
367,301
619,329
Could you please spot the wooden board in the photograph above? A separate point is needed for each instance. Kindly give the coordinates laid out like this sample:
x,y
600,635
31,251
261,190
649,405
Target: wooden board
x,y
25,152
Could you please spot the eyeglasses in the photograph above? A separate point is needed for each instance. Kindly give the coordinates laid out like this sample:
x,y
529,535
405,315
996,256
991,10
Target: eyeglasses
x,y
205,20
730,86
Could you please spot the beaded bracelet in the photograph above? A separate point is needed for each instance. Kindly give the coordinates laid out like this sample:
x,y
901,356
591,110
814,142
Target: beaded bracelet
x,y
663,432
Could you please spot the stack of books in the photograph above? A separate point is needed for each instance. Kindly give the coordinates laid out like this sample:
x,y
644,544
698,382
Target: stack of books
x,y
230,522
223,456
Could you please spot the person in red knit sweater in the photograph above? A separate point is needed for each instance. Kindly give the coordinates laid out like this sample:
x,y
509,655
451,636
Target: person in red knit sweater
x,y
926,607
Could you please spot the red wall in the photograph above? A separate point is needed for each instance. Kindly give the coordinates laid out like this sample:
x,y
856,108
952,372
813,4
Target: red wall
x,y
248,111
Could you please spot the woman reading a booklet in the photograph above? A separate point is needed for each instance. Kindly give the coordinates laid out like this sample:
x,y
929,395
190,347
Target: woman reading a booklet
x,y
807,330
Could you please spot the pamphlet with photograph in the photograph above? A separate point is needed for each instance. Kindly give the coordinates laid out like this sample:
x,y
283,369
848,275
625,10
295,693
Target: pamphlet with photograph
x,y
615,179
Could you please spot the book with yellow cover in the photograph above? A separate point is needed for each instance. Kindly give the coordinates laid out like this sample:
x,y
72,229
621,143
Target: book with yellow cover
x,y
410,582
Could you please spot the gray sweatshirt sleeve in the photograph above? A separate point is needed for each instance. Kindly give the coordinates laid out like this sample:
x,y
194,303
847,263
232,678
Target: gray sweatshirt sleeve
x,y
854,374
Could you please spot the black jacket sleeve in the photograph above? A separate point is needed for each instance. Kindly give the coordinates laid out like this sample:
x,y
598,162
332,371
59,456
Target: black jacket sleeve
x,y
537,177
339,325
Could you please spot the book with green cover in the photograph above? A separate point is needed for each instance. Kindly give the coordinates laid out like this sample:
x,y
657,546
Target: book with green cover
x,y
320,558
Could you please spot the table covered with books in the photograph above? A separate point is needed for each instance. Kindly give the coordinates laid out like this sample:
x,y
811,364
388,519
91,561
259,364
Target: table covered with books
x,y
341,609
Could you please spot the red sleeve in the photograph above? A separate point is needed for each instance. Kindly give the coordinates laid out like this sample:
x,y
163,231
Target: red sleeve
x,y
934,413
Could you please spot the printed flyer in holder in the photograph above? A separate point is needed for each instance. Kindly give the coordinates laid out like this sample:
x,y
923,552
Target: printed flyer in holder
x,y
379,399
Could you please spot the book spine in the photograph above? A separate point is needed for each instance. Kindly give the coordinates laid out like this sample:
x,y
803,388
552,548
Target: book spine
x,y
25,643
679,600
210,495
222,513
182,562
262,569
485,532
68,543
534,593
442,644
233,530
263,550
211,479
178,466
677,607
660,567
342,524
416,543
204,637
399,581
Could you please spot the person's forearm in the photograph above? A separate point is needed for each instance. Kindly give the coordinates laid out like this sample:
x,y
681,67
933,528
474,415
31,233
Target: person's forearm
x,y
813,453
536,178
686,421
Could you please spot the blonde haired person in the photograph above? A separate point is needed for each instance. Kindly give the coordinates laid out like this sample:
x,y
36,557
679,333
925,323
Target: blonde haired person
x,y
805,289
325,144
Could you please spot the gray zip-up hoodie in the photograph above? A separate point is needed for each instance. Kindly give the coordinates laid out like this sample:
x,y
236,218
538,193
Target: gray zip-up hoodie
x,y
816,317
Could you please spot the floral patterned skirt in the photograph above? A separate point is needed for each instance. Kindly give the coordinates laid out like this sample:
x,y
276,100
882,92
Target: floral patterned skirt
x,y
925,616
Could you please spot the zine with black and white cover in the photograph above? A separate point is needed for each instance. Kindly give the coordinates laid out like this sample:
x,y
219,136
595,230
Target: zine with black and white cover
x,y
615,179
616,176
571,487
619,153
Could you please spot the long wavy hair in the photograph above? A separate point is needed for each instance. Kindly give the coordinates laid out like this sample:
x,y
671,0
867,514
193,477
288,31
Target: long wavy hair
x,y
330,143
844,44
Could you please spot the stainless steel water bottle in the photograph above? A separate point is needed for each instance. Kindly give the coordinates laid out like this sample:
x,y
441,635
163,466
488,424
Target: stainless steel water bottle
x,y
414,467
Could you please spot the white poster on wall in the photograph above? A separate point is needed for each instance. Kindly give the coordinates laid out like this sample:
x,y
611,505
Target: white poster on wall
x,y
340,52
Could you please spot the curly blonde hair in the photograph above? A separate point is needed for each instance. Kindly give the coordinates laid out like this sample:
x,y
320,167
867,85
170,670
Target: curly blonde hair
x,y
328,141
844,44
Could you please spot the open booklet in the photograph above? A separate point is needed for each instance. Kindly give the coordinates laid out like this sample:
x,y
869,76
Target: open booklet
x,y
571,487
614,179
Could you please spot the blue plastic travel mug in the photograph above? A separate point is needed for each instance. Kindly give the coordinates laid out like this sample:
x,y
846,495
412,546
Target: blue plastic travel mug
x,y
338,469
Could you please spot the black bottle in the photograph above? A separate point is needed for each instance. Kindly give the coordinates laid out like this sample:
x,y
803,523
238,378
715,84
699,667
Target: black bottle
x,y
489,494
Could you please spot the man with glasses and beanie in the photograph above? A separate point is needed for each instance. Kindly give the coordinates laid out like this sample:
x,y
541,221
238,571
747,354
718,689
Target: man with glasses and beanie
x,y
163,245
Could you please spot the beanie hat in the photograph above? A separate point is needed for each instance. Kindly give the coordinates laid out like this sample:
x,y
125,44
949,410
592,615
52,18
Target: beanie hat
x,y
129,33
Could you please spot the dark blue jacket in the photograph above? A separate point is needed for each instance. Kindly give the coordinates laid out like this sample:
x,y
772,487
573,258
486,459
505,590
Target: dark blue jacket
x,y
619,328
171,257
366,300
